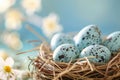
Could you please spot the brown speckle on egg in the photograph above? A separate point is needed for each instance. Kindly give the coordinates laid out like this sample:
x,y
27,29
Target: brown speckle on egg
x,y
102,58
61,56
65,53
101,54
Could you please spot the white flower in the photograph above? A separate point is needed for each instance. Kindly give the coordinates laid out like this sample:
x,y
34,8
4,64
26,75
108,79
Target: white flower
x,y
50,25
31,6
22,74
13,19
3,54
6,71
5,5
12,40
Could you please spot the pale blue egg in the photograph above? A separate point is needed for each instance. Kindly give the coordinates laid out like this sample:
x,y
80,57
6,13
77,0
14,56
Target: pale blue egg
x,y
113,41
65,53
89,35
60,38
96,54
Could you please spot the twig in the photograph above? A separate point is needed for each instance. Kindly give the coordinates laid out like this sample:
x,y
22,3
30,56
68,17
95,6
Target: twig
x,y
34,49
64,72
36,33
89,64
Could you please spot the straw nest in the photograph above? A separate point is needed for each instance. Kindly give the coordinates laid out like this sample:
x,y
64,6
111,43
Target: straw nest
x,y
46,69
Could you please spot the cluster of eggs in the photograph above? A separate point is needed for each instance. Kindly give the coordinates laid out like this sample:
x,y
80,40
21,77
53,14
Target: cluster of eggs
x,y
88,42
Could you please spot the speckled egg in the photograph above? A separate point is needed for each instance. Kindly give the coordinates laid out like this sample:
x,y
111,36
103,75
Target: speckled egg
x,y
65,53
60,38
96,53
90,35
112,41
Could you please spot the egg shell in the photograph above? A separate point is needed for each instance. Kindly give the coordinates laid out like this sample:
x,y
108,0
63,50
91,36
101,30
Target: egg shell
x,y
96,54
60,38
65,53
112,42
89,35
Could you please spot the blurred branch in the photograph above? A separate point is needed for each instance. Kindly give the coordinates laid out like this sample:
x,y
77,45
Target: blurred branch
x,y
36,33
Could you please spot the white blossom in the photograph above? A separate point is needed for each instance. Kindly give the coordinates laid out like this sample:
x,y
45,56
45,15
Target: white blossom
x,y
31,6
5,5
13,19
6,71
50,25
12,40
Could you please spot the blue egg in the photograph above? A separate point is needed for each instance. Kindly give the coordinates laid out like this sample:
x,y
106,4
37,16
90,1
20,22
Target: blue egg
x,y
65,53
113,41
96,54
60,38
90,35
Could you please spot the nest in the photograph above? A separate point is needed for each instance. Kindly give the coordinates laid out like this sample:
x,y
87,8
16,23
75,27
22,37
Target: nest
x,y
47,69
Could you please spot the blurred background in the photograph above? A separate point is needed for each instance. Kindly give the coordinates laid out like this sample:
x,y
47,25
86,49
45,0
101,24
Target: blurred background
x,y
22,20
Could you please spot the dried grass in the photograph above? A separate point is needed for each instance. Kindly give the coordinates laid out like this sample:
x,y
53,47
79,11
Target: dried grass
x,y
47,69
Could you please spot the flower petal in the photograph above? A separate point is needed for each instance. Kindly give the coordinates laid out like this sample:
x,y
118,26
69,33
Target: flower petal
x,y
9,61
2,62
12,77
3,76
